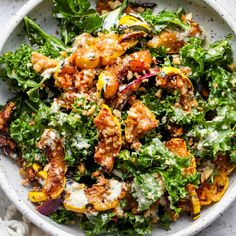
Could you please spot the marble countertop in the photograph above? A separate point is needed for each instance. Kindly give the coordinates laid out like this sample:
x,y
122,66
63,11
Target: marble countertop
x,y
223,226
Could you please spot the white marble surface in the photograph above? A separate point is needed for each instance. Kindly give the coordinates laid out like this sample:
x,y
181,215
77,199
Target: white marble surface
x,y
224,226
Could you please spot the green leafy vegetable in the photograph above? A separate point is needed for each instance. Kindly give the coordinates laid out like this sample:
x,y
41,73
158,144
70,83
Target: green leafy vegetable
x,y
156,157
222,87
62,216
16,67
108,223
76,128
164,221
76,17
26,131
154,177
166,111
217,134
220,52
165,18
38,37
193,55
147,188
18,72
198,58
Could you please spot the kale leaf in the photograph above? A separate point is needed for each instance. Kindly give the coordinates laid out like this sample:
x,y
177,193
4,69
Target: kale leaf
x,y
109,223
199,59
26,131
50,45
75,127
75,17
220,52
193,56
147,189
222,87
156,158
16,66
165,110
16,69
165,19
216,134
62,216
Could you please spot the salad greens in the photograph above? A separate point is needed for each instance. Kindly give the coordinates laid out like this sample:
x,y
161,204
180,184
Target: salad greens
x,y
17,69
199,58
149,181
105,224
51,46
165,19
76,17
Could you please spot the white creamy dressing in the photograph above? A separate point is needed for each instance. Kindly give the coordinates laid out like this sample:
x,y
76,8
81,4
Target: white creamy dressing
x,y
61,118
49,138
88,73
79,41
77,197
212,136
170,162
81,142
47,73
55,107
90,55
115,190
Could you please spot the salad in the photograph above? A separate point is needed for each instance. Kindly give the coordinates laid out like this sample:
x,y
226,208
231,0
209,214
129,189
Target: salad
x,y
125,122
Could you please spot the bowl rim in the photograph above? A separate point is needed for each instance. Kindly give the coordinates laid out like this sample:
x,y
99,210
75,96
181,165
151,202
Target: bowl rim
x,y
53,229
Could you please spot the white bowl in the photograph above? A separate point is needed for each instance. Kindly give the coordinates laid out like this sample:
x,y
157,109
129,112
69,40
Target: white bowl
x,y
216,23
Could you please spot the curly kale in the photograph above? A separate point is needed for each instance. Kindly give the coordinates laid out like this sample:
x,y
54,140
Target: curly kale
x,y
199,59
218,133
26,131
62,216
155,158
76,128
109,223
16,68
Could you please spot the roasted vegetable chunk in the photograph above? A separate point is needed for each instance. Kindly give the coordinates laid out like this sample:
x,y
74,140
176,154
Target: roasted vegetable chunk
x,y
69,78
5,115
41,63
108,83
167,39
92,52
195,202
212,192
104,6
7,145
103,196
110,79
75,198
129,23
173,78
106,194
139,61
56,168
140,120
109,138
